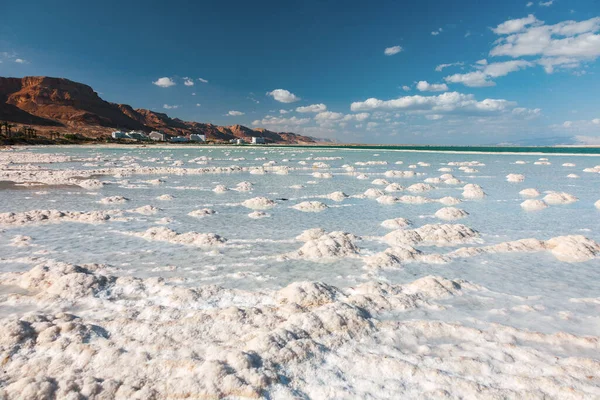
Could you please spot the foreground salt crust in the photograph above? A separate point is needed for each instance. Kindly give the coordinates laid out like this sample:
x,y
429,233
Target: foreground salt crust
x,y
310,206
137,334
319,245
432,235
259,203
55,216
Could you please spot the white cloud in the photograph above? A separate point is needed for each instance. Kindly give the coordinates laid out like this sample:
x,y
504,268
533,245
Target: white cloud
x,y
169,107
313,108
444,103
283,96
546,3
515,25
566,44
234,113
390,51
483,61
372,125
164,82
568,124
202,80
424,86
406,88
596,121
434,117
437,32
20,61
194,93
283,111
527,113
487,71
188,82
198,104
280,121
529,4
440,67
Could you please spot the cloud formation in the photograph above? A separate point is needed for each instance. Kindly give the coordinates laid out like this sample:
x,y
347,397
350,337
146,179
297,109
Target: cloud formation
x,y
283,96
235,113
390,51
424,86
188,82
313,108
170,107
164,82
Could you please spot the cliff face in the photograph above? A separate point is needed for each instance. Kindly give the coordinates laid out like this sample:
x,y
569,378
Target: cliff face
x,y
44,101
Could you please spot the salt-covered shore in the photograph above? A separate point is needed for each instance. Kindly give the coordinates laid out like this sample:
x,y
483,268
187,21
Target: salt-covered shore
x,y
299,273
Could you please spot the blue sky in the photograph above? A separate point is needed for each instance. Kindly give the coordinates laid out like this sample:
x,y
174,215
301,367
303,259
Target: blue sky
x,y
354,71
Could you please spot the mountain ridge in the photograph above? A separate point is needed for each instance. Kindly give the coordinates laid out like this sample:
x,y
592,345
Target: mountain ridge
x,y
63,104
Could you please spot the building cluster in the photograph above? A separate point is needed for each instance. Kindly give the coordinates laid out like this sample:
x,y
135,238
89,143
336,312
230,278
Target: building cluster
x,y
254,140
158,136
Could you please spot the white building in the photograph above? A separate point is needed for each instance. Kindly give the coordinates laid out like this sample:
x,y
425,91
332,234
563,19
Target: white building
x,y
158,136
195,137
118,135
258,140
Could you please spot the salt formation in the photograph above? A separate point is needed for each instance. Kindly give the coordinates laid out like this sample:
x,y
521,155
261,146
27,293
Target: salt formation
x,y
258,214
451,213
394,187
221,189
449,201
297,187
597,204
310,206
259,203
326,246
395,257
322,175
54,216
569,165
337,196
473,191
419,188
202,213
400,174
163,234
515,178
362,176
396,223
379,182
387,199
432,235
113,200
21,241
373,193
311,234
244,186
574,248
560,198
533,205
573,176
165,197
530,192
145,210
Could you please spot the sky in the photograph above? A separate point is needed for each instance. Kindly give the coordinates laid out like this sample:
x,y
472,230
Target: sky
x,y
404,72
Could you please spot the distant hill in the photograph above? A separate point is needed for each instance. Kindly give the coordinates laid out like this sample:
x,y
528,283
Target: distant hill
x,y
66,105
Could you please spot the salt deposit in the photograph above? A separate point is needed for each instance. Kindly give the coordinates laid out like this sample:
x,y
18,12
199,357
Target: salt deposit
x,y
113,200
258,215
259,203
221,189
515,178
450,213
165,197
396,223
163,234
533,205
473,191
202,213
310,206
135,303
559,198
530,192
420,188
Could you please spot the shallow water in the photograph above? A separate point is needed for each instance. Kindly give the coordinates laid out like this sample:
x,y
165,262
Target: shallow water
x,y
528,291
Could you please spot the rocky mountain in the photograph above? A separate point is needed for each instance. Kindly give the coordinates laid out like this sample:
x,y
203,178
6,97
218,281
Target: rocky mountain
x,y
71,106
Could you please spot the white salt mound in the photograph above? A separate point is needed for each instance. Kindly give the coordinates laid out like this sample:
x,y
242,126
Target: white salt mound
x,y
533,205
163,234
337,196
327,246
380,181
113,200
165,197
473,191
258,214
244,186
396,223
221,189
202,213
259,203
560,198
515,178
394,187
450,213
145,210
419,188
530,192
310,206
373,193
